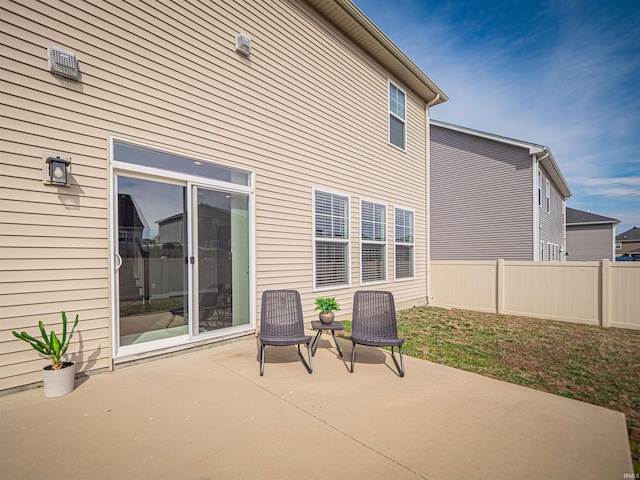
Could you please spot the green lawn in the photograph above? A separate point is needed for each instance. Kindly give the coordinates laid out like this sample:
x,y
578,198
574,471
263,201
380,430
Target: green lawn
x,y
587,363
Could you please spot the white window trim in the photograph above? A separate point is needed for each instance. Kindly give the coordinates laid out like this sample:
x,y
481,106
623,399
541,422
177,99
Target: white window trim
x,y
373,242
541,253
395,243
404,120
117,168
548,195
331,240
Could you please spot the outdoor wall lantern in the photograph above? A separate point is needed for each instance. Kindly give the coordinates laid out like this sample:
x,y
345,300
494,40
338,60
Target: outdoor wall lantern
x,y
58,170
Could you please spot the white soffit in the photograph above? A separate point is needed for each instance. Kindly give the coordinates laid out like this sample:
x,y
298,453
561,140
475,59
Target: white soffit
x,y
345,15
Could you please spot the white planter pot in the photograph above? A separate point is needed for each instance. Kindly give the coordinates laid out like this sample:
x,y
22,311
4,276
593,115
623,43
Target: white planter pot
x,y
59,382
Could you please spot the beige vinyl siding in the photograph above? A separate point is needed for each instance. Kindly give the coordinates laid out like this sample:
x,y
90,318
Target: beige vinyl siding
x,y
551,223
589,242
481,200
308,108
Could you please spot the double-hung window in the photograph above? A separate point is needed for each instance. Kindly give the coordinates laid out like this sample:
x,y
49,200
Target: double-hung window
x,y
539,187
331,239
404,243
397,117
373,242
548,192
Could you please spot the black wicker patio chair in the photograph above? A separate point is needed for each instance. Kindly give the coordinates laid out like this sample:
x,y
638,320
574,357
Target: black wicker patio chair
x,y
374,324
281,323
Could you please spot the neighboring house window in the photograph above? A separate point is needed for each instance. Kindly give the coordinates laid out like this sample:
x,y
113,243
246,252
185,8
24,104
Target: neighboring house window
x,y
397,117
539,187
542,250
548,192
618,245
373,237
331,239
404,246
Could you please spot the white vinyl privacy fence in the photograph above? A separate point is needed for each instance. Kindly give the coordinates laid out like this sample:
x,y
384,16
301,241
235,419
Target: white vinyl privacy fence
x,y
597,293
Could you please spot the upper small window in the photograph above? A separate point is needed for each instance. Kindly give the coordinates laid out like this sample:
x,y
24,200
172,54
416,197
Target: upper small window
x,y
548,190
397,117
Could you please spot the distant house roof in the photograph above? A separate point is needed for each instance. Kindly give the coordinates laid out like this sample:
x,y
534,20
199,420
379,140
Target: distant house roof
x,y
579,217
540,151
631,235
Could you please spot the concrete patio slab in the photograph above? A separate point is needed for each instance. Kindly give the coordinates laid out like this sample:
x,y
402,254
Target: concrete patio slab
x,y
209,415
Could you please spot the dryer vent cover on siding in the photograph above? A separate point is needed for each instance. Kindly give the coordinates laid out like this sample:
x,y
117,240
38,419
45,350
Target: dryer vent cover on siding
x,y
62,62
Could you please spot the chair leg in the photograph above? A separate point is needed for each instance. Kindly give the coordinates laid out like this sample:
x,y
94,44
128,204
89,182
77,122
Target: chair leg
x,y
261,359
353,355
308,366
401,366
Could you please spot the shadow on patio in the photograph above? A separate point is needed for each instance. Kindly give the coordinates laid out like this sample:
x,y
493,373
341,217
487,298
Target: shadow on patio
x,y
209,415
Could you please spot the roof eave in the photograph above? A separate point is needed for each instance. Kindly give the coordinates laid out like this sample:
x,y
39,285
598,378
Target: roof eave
x,y
531,147
550,165
601,222
347,17
542,153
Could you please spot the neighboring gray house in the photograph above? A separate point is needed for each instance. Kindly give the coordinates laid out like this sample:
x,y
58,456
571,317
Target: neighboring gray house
x,y
589,236
494,197
628,244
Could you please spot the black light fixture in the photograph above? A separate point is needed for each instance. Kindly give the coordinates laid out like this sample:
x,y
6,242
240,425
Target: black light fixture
x,y
58,170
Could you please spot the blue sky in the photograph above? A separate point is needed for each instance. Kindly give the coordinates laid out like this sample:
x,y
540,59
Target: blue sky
x,y
563,73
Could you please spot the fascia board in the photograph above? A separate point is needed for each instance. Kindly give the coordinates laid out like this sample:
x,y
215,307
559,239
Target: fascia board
x,y
533,149
349,19
602,222
550,165
538,151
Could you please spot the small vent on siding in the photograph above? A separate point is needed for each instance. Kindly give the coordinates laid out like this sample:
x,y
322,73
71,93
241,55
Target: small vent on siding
x,y
62,62
243,44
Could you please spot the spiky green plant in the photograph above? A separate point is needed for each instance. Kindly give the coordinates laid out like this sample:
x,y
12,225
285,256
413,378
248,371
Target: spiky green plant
x,y
326,304
52,347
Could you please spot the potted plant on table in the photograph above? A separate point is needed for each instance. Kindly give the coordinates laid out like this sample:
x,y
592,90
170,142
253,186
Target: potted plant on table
x,y
327,305
58,377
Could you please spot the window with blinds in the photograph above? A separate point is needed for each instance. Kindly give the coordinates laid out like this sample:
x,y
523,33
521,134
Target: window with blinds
x,y
397,117
404,244
373,237
331,239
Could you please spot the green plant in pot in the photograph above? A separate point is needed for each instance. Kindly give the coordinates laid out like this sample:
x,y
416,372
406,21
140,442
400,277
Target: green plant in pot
x,y
59,376
327,305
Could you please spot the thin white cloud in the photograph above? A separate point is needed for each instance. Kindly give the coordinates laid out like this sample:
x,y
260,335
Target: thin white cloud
x,y
623,181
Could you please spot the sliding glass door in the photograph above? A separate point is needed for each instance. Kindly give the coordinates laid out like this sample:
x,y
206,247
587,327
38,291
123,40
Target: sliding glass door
x,y
221,232
152,246
182,248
